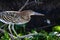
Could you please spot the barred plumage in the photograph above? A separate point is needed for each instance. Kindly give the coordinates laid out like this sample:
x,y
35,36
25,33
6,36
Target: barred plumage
x,y
11,17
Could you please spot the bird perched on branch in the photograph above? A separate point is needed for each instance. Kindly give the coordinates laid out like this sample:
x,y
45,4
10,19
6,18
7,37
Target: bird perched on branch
x,y
17,17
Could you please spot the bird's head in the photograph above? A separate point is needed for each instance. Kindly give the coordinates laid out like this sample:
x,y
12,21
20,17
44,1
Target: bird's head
x,y
35,13
30,13
27,13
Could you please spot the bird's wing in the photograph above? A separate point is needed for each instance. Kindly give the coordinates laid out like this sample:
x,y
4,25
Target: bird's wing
x,y
9,13
8,16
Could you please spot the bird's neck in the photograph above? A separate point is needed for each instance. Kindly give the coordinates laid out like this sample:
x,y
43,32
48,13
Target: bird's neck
x,y
25,18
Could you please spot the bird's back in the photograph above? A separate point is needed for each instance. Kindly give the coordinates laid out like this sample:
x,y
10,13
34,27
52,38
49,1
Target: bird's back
x,y
9,16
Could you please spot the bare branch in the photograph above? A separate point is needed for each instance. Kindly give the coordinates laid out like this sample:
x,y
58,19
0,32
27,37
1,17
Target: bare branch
x,y
2,25
3,31
24,5
31,34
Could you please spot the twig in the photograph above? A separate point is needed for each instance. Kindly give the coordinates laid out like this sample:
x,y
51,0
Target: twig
x,y
27,35
2,26
12,36
24,5
33,2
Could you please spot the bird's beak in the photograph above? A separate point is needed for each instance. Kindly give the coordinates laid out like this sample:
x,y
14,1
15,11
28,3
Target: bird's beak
x,y
36,13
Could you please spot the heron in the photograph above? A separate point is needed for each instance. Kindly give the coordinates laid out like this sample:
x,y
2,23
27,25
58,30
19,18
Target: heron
x,y
17,17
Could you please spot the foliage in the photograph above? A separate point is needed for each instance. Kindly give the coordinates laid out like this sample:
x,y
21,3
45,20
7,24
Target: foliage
x,y
5,37
42,35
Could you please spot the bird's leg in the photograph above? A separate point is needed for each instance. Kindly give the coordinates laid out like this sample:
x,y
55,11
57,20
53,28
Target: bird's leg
x,y
14,30
10,29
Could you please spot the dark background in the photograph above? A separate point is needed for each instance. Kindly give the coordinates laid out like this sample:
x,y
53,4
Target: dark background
x,y
51,9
